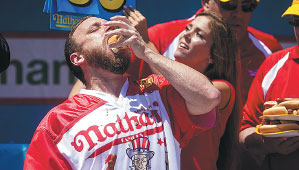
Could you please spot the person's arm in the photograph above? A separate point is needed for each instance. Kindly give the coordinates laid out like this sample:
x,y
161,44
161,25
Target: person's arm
x,y
225,93
152,46
139,22
199,93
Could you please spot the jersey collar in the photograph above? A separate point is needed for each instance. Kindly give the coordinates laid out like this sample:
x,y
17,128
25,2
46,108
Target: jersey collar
x,y
106,96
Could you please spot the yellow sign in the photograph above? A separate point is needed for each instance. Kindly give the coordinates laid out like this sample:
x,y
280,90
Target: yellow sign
x,y
80,3
112,5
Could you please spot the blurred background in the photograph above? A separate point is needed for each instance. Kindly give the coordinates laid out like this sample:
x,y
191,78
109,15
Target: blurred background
x,y
38,79
27,15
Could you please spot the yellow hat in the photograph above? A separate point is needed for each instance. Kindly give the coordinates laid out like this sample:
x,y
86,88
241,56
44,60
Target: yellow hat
x,y
293,9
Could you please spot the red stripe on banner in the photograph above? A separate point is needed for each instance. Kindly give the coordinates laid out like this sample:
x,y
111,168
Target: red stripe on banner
x,y
125,140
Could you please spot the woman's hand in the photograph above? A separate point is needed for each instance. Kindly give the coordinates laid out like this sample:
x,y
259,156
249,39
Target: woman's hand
x,y
138,21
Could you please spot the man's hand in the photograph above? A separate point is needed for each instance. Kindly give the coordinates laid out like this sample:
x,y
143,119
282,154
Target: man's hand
x,y
132,38
281,145
260,146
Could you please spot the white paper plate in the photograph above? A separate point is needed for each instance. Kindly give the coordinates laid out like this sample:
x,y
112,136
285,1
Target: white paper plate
x,y
281,117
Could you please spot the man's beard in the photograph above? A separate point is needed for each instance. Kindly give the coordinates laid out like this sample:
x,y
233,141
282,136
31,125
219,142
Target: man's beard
x,y
117,63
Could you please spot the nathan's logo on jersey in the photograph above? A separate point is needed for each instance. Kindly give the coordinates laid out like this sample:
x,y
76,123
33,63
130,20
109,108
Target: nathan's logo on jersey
x,y
145,83
121,125
140,154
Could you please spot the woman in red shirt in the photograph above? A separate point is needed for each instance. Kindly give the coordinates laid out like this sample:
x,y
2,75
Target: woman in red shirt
x,y
208,45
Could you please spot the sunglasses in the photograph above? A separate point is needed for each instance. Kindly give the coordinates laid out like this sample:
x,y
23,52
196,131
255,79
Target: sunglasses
x,y
294,21
247,5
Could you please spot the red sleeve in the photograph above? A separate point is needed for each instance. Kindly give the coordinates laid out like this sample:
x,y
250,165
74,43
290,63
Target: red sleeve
x,y
182,125
254,105
43,153
269,40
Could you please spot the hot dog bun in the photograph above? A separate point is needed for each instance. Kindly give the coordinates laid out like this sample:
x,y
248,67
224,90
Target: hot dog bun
x,y
277,110
282,106
113,39
279,100
290,104
269,104
278,128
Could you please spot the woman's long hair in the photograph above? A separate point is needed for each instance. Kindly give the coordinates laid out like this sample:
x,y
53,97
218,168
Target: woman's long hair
x,y
225,66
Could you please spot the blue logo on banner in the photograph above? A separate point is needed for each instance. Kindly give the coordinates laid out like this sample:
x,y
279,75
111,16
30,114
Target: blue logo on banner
x,y
65,13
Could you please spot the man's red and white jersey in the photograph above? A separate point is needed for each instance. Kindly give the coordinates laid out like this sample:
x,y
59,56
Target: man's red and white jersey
x,y
276,78
145,127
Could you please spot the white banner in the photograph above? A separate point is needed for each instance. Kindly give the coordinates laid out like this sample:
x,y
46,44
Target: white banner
x,y
37,70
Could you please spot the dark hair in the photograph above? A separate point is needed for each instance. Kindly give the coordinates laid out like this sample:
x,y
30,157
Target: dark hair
x,y
4,54
224,52
70,48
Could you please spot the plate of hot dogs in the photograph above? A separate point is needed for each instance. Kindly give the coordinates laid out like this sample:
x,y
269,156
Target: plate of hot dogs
x,y
280,118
